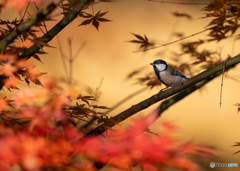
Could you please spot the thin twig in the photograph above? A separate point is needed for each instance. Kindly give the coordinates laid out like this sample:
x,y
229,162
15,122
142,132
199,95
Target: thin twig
x,y
92,10
98,88
164,52
79,49
62,7
43,20
126,99
181,3
5,123
173,41
87,125
70,61
224,66
25,12
63,56
233,46
234,79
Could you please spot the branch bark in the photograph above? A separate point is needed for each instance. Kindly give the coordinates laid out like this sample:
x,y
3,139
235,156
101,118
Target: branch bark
x,y
208,74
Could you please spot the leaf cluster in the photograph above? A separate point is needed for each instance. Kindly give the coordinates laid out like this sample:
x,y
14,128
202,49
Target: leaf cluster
x,y
52,139
226,17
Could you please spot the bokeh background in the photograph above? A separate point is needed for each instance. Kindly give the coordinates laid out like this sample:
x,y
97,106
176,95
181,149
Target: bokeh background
x,y
108,56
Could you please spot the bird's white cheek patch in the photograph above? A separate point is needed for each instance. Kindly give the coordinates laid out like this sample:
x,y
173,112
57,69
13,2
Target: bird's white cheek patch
x,y
160,67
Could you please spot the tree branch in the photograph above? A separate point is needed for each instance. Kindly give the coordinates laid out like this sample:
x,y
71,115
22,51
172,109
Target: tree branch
x,y
167,103
57,28
210,73
25,26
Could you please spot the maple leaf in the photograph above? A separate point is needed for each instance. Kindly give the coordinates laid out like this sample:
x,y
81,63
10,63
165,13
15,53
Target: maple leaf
x,y
214,5
85,98
23,63
184,163
121,162
71,132
7,57
3,104
40,42
93,19
142,40
8,69
11,83
35,56
24,97
23,44
57,101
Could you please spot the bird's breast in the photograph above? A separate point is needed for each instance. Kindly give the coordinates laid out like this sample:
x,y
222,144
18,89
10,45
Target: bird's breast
x,y
170,79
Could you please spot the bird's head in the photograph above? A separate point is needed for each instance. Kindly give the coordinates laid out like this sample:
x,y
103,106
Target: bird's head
x,y
159,65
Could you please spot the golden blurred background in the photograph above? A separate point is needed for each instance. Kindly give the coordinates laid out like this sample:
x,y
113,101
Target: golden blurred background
x,y
107,55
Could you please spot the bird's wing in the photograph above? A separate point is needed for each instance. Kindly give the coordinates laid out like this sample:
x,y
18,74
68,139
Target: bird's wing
x,y
175,72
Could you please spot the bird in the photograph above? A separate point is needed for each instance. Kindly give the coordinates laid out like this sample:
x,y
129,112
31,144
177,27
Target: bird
x,y
167,74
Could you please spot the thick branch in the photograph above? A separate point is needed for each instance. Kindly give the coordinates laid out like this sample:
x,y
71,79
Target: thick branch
x,y
57,28
210,73
25,26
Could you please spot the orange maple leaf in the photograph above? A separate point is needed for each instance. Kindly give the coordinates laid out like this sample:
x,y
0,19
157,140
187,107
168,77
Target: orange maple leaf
x,y
6,56
34,72
8,69
3,104
23,63
23,44
58,101
11,82
24,97
19,4
183,163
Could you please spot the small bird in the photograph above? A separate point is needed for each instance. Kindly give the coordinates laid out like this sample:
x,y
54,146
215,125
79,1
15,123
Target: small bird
x,y
166,74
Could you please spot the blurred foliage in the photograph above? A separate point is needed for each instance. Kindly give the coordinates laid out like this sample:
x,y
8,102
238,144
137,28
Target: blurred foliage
x,y
43,129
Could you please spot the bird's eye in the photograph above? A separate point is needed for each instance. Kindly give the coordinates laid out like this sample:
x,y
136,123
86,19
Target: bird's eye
x,y
155,62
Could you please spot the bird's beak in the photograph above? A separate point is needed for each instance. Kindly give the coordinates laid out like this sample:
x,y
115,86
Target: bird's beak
x,y
151,63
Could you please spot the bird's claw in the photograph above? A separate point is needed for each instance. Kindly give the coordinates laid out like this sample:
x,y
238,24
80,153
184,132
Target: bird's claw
x,y
173,87
160,92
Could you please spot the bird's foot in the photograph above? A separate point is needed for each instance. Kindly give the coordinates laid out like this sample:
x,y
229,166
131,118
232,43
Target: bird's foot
x,y
173,87
160,92
183,82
